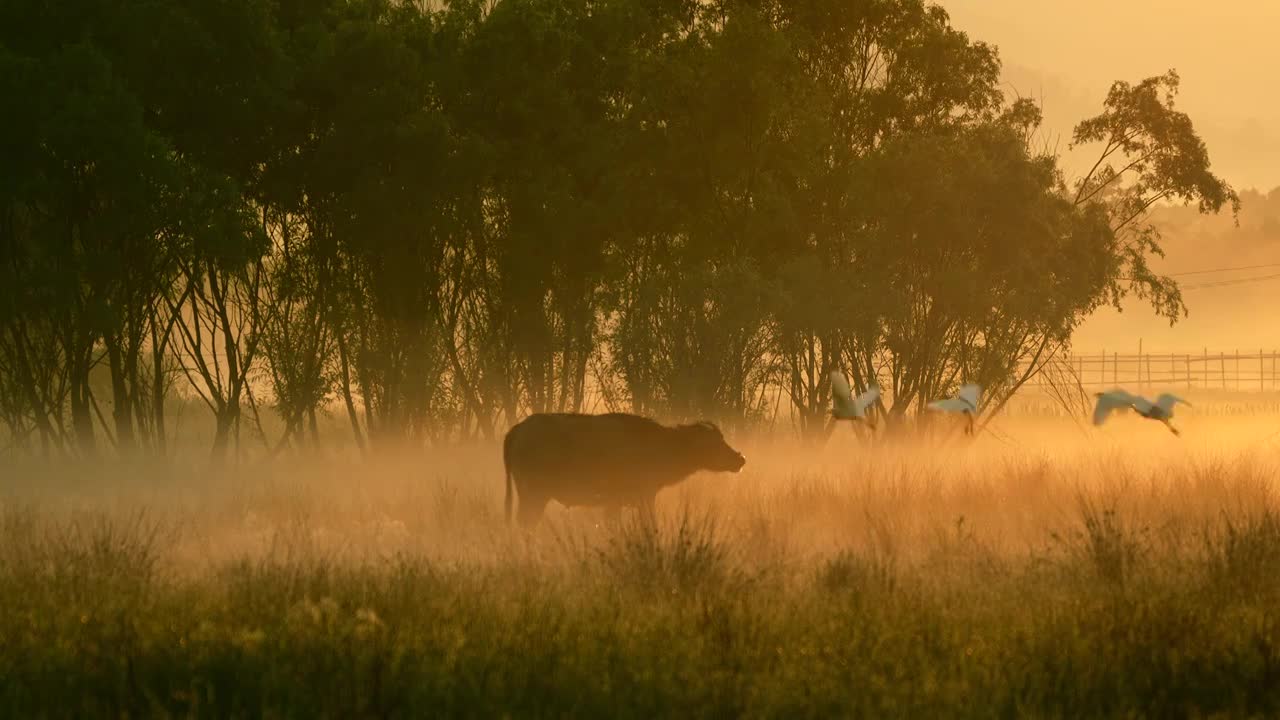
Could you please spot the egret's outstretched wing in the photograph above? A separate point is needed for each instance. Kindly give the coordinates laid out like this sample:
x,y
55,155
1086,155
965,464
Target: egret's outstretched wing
x,y
842,405
840,384
1109,402
865,400
1166,402
954,404
1142,405
971,394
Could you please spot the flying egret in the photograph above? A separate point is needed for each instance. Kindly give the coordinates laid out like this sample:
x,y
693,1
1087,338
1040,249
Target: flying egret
x,y
844,406
965,401
1161,409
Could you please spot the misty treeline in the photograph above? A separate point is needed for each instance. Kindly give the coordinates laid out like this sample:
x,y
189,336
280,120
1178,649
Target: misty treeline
x,y
433,220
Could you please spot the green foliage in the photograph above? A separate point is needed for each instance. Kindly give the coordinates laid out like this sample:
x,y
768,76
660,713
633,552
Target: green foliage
x,y
1150,153
446,217
980,261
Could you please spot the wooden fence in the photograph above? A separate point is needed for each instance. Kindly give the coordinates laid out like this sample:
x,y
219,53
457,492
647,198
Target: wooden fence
x,y
1218,370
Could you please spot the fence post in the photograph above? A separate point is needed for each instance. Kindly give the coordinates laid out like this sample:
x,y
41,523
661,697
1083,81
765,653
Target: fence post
x,y
1188,358
1222,366
1115,367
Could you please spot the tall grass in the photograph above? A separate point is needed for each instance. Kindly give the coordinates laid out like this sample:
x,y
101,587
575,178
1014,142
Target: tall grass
x,y
907,584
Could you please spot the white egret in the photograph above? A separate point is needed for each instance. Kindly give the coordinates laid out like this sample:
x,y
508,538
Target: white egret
x,y
1116,399
965,401
844,406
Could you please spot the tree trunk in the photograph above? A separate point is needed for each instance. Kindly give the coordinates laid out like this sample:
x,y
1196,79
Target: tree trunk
x,y
315,427
30,387
352,415
225,420
158,344
81,404
122,402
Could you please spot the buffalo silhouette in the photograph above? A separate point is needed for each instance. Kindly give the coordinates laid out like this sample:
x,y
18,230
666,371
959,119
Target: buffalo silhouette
x,y
611,460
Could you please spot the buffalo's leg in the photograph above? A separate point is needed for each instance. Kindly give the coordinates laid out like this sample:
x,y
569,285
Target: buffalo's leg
x,y
530,510
648,509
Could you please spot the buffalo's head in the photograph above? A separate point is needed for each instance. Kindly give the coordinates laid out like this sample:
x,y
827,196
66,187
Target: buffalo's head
x,y
708,450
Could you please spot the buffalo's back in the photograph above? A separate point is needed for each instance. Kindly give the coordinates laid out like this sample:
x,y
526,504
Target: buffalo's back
x,y
588,459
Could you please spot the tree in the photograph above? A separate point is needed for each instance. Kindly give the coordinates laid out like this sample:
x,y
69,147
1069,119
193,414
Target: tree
x,y
1150,153
85,234
32,372
377,167
983,265
883,71
220,280
541,85
221,103
297,340
723,134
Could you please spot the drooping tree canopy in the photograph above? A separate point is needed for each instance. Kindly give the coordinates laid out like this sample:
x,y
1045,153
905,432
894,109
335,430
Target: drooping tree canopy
x,y
430,221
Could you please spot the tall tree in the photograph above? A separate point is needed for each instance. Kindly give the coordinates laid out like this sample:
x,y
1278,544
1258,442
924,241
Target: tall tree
x,y
723,134
542,84
983,265
91,211
884,70
1149,153
378,164
222,104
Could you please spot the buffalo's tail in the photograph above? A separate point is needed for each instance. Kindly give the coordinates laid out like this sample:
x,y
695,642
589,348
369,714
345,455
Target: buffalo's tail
x,y
506,466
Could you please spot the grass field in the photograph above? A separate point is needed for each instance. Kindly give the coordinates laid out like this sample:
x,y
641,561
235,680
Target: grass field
x,y
1043,571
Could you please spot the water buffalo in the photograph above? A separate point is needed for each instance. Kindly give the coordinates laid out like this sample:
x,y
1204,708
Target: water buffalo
x,y
609,461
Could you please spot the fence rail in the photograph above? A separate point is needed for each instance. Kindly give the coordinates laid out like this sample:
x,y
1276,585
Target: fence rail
x,y
1218,370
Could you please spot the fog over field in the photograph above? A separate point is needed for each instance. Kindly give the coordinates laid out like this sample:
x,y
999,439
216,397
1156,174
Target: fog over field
x,y
1024,481
1043,568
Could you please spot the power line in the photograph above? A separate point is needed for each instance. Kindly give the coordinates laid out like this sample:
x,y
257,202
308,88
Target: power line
x,y
1226,283
1236,281
1229,269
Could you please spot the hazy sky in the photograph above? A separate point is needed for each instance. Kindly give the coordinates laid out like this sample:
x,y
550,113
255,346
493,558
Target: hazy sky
x,y
1068,53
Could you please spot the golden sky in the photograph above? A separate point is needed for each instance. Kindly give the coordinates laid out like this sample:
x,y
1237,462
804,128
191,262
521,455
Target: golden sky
x,y
1227,52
